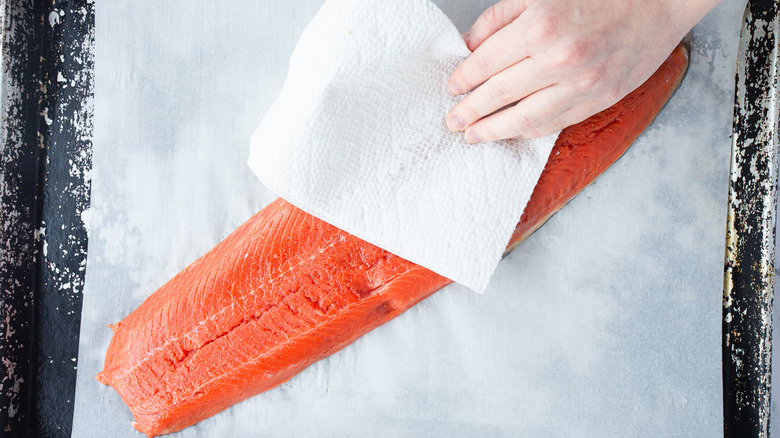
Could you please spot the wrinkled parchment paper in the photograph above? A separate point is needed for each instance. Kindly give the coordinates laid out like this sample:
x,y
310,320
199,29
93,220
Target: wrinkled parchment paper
x,y
606,322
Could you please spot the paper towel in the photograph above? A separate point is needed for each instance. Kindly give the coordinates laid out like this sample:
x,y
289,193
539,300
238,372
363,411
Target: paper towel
x,y
357,137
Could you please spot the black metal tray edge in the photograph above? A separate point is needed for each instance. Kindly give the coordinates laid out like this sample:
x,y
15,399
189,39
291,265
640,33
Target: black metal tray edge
x,y
47,53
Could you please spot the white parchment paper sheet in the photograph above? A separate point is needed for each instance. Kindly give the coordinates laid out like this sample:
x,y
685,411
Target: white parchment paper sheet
x,y
604,323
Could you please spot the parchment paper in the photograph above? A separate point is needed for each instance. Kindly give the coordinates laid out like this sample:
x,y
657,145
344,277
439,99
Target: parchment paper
x,y
604,323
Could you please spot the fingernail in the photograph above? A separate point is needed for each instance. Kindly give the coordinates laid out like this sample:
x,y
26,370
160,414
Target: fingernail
x,y
455,123
473,137
455,88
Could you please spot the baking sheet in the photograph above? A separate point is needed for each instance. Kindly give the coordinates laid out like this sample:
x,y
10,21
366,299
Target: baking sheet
x,y
45,155
606,322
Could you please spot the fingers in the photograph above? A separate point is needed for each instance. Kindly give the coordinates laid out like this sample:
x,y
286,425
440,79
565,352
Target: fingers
x,y
493,19
564,120
497,53
507,87
572,116
540,110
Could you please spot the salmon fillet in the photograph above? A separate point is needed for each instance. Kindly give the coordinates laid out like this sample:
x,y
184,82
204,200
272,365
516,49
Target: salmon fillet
x,y
286,289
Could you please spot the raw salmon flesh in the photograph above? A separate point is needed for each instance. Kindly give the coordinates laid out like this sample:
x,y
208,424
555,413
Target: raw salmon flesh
x,y
286,289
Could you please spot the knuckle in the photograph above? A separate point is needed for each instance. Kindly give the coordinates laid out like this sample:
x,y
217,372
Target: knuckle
x,y
488,133
502,92
467,112
524,122
531,133
575,54
556,125
498,14
484,66
493,14
546,28
589,81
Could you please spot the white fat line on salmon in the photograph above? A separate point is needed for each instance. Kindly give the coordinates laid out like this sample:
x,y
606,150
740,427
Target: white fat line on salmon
x,y
271,351
340,238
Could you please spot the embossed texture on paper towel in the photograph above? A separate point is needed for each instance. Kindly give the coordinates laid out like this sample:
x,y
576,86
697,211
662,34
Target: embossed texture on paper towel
x,y
357,137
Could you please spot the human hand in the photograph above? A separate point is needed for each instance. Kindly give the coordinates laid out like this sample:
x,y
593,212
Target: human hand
x,y
540,65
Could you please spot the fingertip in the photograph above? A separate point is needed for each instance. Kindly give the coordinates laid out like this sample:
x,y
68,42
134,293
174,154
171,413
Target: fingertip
x,y
455,123
454,88
473,41
473,137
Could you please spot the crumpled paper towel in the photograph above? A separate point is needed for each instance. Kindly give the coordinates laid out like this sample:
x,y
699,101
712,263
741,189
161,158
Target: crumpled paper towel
x,y
357,137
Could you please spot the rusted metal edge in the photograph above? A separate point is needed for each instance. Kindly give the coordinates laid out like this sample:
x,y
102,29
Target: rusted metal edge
x,y
65,108
20,164
45,157
750,238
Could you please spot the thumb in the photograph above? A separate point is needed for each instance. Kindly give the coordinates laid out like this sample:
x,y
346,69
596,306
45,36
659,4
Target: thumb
x,y
493,19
